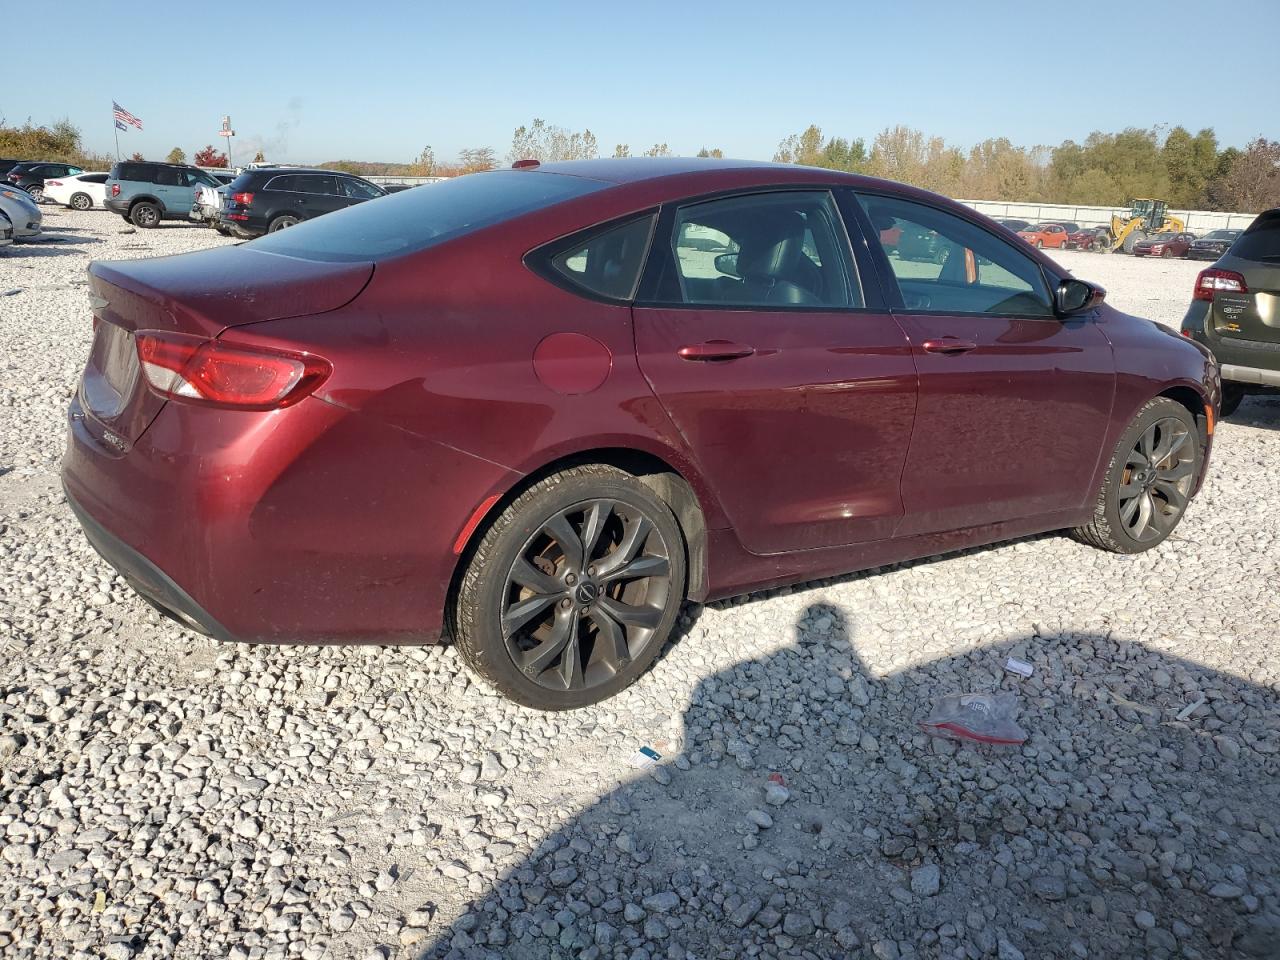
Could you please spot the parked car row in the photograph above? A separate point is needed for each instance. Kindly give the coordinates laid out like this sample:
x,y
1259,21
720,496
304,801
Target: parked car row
x,y
1065,235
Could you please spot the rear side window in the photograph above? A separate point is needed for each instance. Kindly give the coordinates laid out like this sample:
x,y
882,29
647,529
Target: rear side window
x,y
169,177
607,262
414,220
137,172
94,178
945,264
288,183
316,183
1261,241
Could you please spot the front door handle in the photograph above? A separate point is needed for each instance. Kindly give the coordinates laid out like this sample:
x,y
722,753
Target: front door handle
x,y
716,350
949,345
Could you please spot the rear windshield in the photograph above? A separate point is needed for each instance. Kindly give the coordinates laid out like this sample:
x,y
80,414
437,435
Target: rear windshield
x,y
416,219
1261,241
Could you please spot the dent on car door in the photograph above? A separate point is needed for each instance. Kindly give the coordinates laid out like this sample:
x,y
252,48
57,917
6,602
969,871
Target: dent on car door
x,y
1014,401
791,384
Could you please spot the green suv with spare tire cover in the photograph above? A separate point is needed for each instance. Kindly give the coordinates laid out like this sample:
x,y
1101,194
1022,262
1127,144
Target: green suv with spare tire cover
x,y
144,193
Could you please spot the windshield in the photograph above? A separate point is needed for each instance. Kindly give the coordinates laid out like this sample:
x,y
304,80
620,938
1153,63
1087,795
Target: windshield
x,y
413,220
1221,235
1164,236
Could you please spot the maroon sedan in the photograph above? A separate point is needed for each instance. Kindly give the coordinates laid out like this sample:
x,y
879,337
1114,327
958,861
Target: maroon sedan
x,y
1164,245
536,409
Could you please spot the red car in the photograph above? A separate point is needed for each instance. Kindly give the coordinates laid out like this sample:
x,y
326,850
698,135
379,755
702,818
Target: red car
x,y
1089,238
526,409
1164,245
1051,235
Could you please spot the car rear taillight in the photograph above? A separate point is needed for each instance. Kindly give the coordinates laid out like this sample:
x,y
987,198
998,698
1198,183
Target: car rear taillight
x,y
53,183
222,374
115,189
245,198
1213,281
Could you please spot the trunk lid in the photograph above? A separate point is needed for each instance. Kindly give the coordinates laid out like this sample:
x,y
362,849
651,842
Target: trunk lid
x,y
199,293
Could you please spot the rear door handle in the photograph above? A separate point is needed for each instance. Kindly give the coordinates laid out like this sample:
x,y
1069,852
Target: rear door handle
x,y
949,345
716,350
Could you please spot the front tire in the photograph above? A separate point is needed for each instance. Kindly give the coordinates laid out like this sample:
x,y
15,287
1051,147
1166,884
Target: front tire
x,y
1148,482
573,590
81,201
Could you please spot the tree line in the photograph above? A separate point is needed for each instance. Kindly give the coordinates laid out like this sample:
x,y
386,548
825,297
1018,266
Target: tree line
x,y
1189,170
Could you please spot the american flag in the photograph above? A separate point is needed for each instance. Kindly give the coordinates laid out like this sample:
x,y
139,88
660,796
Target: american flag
x,y
123,116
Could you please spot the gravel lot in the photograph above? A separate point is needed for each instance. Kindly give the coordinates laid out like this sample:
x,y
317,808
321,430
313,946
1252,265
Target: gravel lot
x,y
165,795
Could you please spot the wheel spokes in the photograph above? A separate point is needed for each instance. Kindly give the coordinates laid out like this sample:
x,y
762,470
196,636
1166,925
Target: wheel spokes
x,y
633,539
593,525
638,568
559,529
520,613
527,575
632,616
612,638
562,641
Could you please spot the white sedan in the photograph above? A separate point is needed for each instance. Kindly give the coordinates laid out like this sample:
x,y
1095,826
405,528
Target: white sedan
x,y
23,214
81,191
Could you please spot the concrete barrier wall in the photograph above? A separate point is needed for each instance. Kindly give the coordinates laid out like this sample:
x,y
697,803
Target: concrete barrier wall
x,y
1197,221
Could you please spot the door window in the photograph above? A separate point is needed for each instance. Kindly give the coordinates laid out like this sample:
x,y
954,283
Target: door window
x,y
783,249
946,264
358,189
318,184
168,177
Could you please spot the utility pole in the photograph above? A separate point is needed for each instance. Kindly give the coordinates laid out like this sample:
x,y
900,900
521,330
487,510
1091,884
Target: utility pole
x,y
227,132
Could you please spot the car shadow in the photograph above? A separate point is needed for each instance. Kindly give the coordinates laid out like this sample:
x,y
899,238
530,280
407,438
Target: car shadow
x,y
1258,410
1137,819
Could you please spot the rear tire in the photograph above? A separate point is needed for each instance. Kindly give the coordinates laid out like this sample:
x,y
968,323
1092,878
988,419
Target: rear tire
x,y
81,201
1232,396
1148,482
144,214
581,579
37,193
283,222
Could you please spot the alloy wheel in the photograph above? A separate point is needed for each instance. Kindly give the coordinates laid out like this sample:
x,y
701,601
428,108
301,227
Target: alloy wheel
x,y
1156,483
81,202
37,194
586,594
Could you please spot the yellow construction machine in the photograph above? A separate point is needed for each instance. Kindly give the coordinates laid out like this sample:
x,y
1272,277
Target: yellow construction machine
x,y
1146,217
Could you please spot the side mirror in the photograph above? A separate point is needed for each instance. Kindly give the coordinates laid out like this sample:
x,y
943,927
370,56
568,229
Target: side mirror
x,y
1077,296
727,263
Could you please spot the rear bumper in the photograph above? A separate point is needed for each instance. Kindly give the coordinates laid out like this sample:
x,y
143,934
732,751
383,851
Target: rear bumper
x,y
1259,376
151,583
312,524
116,205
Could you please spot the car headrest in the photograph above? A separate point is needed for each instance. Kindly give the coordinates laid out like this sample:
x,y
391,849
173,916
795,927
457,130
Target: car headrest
x,y
773,246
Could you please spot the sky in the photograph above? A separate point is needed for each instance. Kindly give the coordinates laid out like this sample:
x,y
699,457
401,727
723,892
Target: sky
x,y
322,80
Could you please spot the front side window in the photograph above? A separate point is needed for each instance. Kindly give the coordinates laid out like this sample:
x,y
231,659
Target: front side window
x,y
358,189
609,262
783,249
945,264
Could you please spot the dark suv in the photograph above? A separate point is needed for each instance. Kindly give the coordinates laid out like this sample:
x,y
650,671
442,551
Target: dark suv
x,y
266,200
144,193
31,175
1233,312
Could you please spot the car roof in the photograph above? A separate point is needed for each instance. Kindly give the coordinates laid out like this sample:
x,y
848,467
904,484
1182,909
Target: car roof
x,y
277,171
